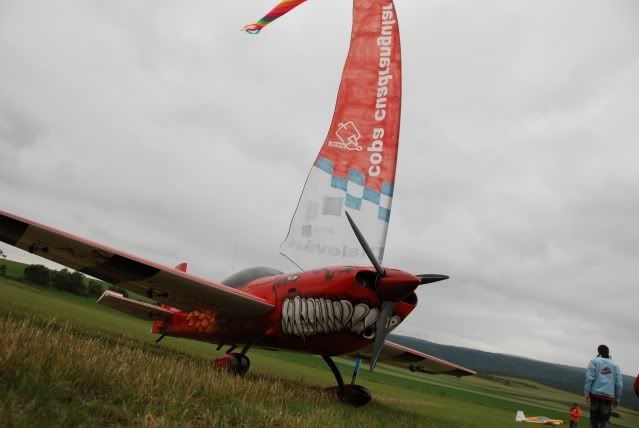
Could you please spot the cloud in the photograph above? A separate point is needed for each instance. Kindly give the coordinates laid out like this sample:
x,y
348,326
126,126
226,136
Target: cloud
x,y
17,128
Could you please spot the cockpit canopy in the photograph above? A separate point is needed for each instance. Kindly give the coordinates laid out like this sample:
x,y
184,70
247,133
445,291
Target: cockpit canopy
x,y
243,277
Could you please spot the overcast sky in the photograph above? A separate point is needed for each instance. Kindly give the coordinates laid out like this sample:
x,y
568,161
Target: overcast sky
x,y
157,127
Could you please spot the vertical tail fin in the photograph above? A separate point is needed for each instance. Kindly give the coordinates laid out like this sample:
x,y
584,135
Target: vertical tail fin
x,y
520,417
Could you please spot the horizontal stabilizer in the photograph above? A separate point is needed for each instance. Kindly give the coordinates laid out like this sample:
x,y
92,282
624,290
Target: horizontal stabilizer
x,y
138,309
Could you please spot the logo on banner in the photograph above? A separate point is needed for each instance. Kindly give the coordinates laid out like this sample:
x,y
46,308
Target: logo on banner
x,y
348,136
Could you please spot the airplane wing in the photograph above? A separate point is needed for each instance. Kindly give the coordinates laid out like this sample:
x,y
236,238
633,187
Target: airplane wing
x,y
163,284
397,355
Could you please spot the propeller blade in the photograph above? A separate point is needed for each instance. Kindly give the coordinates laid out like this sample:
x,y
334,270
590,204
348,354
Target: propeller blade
x,y
381,331
427,278
364,244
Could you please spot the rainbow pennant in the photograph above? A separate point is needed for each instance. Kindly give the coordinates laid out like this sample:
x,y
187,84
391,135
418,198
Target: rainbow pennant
x,y
282,8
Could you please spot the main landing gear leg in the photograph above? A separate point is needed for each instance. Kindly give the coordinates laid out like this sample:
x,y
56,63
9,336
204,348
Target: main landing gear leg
x,y
355,395
234,362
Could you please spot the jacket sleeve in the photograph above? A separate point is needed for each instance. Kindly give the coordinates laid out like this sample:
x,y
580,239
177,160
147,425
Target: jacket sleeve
x,y
590,377
618,383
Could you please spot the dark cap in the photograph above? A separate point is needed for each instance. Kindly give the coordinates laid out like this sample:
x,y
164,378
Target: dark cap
x,y
603,351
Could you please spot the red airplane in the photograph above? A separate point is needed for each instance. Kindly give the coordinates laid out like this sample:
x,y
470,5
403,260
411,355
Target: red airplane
x,y
347,309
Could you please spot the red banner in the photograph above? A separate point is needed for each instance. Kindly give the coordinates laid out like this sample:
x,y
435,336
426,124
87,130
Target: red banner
x,y
364,134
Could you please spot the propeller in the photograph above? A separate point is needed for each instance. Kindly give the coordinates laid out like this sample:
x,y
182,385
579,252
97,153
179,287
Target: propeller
x,y
367,249
390,289
381,330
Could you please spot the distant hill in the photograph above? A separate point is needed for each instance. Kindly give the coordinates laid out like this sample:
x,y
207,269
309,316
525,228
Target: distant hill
x,y
566,378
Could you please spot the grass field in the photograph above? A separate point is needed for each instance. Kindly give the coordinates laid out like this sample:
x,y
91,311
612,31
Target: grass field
x,y
66,361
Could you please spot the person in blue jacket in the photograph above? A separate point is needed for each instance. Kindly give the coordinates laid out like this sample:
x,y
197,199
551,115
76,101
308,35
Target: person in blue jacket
x,y
603,387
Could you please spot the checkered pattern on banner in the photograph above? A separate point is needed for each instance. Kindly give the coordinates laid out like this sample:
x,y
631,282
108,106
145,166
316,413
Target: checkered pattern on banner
x,y
356,191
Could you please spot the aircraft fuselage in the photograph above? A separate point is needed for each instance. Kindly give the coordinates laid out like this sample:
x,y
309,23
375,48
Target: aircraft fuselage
x,y
327,311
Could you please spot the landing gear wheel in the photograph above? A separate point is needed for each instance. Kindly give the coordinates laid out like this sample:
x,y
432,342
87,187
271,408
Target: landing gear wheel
x,y
235,363
355,395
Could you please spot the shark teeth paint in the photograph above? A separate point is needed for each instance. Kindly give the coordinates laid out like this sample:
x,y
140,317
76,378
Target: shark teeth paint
x,y
308,317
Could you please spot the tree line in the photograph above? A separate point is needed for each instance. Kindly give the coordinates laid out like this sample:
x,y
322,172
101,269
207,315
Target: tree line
x,y
3,267
64,280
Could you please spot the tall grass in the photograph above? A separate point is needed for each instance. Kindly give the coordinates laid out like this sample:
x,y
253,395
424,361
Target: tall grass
x,y
55,373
